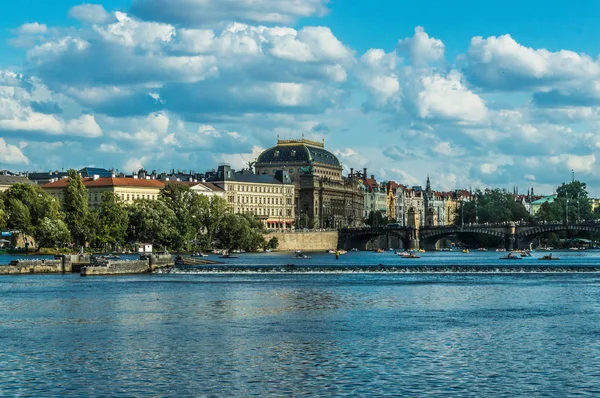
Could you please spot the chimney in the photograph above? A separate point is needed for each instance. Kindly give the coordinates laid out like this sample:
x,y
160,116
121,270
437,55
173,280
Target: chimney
x,y
351,172
135,176
372,176
96,176
365,172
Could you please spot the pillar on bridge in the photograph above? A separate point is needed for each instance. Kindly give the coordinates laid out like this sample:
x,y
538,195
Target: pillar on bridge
x,y
413,239
509,243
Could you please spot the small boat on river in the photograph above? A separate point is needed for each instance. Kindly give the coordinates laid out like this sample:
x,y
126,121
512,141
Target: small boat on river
x,y
511,256
301,256
199,255
408,255
549,257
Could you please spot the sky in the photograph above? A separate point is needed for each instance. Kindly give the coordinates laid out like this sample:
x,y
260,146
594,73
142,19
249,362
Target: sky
x,y
470,93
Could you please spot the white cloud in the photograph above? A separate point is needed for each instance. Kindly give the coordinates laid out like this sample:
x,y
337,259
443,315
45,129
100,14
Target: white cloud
x,y
422,49
11,154
376,71
84,126
32,28
132,33
91,13
446,97
502,63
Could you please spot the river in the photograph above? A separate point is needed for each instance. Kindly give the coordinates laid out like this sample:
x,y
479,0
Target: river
x,y
322,328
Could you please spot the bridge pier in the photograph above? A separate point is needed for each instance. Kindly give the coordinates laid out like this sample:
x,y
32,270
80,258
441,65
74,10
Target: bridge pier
x,y
509,243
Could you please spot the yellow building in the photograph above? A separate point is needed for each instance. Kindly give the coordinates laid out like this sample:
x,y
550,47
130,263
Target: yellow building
x,y
126,189
269,198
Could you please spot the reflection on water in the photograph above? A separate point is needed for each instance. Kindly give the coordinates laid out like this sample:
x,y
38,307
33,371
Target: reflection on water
x,y
300,334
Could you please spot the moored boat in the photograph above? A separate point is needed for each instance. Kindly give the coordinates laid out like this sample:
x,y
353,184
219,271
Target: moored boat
x,y
511,256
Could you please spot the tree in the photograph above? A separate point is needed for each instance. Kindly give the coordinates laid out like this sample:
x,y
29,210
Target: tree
x,y
75,206
113,220
375,219
19,216
3,215
209,214
572,203
182,200
491,206
233,232
52,233
152,221
25,206
273,243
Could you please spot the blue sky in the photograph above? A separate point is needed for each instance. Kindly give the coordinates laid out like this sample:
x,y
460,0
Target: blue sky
x,y
472,93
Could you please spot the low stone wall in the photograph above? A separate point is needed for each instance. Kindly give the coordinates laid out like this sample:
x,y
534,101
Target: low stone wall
x,y
161,261
306,241
119,267
34,266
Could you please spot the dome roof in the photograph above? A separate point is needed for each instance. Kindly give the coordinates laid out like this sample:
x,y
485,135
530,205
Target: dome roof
x,y
301,151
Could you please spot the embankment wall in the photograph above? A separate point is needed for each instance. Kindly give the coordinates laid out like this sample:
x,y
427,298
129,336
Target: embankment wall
x,y
119,267
307,241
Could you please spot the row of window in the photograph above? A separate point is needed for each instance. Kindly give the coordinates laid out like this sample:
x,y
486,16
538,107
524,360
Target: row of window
x,y
259,188
260,211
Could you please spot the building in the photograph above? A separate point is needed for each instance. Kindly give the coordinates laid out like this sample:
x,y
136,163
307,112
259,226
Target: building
x,y
126,189
268,197
42,178
207,189
536,204
6,181
90,172
322,194
375,196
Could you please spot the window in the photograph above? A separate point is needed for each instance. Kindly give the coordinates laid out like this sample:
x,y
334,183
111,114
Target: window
x,y
276,154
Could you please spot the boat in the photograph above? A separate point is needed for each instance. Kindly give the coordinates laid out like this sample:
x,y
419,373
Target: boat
x,y
228,256
511,256
548,257
466,251
300,255
379,251
267,250
421,250
354,249
525,253
501,250
111,257
482,249
408,255
199,255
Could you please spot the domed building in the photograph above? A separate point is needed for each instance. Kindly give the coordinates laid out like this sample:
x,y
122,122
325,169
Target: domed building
x,y
324,198
296,156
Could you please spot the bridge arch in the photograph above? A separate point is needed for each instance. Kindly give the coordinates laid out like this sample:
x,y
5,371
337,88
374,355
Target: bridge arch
x,y
430,237
365,239
527,234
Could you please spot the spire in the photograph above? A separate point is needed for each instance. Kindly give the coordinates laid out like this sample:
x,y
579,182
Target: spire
x,y
428,186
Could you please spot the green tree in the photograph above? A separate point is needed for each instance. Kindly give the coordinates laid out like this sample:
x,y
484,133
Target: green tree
x,y
233,232
52,233
375,219
182,201
3,215
151,221
210,213
113,220
19,216
491,206
75,206
572,203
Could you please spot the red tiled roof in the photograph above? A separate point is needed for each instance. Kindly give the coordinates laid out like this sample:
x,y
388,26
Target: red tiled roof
x,y
109,182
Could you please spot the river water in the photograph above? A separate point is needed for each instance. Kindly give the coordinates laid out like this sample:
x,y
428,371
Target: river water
x,y
322,328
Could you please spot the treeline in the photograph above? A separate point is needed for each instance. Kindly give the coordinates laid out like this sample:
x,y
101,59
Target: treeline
x,y
178,220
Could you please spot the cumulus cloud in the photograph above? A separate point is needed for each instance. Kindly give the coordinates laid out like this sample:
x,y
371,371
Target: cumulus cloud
x,y
90,13
447,97
214,12
11,154
376,71
502,63
422,49
32,28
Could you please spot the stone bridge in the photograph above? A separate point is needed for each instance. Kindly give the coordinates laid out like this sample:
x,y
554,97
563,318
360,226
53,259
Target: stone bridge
x,y
514,235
